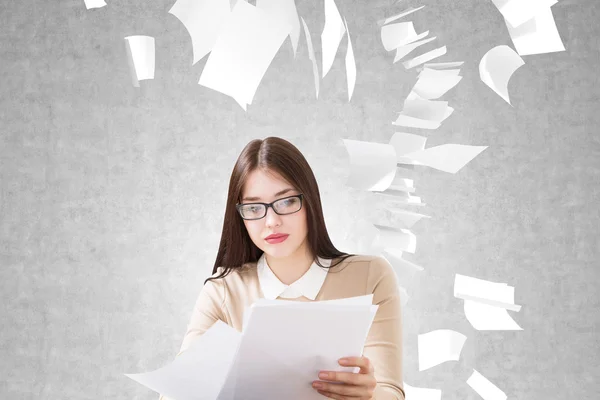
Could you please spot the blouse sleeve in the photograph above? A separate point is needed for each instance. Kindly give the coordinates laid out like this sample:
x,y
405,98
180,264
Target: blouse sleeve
x,y
209,307
383,346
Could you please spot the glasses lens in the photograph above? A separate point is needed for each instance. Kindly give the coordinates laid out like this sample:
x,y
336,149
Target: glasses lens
x,y
288,206
252,211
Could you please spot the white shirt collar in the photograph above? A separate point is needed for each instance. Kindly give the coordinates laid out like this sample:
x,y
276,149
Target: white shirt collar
x,y
307,285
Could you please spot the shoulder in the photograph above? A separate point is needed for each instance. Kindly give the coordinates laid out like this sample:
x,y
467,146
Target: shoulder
x,y
377,267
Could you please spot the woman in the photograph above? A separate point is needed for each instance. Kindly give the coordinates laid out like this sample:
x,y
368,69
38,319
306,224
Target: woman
x,y
275,245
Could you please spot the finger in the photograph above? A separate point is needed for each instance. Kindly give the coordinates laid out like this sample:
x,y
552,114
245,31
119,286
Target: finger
x,y
366,366
344,390
349,378
332,395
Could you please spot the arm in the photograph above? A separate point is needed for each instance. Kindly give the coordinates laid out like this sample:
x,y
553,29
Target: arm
x,y
209,307
384,341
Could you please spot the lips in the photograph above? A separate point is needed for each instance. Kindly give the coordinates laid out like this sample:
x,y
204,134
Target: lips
x,y
276,236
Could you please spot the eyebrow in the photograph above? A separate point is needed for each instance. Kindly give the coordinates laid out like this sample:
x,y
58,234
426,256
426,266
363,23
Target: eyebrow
x,y
284,191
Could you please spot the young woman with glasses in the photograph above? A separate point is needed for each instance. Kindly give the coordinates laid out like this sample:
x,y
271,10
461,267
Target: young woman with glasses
x,y
274,244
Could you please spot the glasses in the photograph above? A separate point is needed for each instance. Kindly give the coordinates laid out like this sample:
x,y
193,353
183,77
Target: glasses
x,y
285,206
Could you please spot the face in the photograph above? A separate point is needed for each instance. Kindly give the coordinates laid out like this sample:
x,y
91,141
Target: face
x,y
265,188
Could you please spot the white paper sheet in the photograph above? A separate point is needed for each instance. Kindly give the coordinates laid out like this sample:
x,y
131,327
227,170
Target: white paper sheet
x,y
350,65
404,13
311,56
284,10
407,218
402,197
443,65
422,113
141,57
332,35
406,49
446,157
203,19
246,45
398,34
516,12
372,165
94,4
418,393
484,387
406,143
497,66
439,346
407,185
433,84
423,58
395,238
486,303
539,35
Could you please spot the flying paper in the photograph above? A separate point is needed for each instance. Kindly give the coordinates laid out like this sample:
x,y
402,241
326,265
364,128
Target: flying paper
x,y
423,58
539,35
94,4
398,16
372,165
350,65
433,83
311,56
397,238
402,196
516,12
418,393
496,68
424,114
398,34
284,10
405,143
486,303
443,65
246,45
439,346
140,51
446,157
332,34
407,218
406,49
403,184
203,19
485,388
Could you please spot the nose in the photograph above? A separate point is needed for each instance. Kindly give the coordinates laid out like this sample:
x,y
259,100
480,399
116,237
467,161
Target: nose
x,y
272,218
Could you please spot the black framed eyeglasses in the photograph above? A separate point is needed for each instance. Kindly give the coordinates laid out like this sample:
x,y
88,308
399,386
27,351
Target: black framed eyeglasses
x,y
284,206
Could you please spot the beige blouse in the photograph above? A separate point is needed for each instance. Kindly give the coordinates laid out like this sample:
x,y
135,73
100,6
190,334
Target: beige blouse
x,y
227,298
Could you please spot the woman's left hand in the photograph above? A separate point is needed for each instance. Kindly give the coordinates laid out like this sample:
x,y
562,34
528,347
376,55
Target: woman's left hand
x,y
352,386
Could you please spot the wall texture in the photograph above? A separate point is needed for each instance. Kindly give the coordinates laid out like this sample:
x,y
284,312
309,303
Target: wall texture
x,y
111,196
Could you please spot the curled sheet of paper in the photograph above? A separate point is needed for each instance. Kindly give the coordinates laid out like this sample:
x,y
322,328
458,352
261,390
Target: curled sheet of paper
x,y
486,303
332,34
539,35
394,256
372,165
446,157
398,34
433,84
407,218
311,56
141,58
94,4
418,393
516,12
406,49
284,10
350,65
496,68
423,114
404,13
203,19
439,346
405,143
423,58
484,387
396,238
443,65
246,45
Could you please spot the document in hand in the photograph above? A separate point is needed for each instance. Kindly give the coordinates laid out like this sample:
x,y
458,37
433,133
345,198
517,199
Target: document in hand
x,y
282,347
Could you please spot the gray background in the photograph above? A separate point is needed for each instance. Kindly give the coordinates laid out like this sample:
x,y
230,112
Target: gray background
x,y
112,196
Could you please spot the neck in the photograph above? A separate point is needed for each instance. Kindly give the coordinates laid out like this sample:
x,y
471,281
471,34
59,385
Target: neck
x,y
291,268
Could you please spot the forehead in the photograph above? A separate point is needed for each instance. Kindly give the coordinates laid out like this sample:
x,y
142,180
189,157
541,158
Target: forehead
x,y
264,185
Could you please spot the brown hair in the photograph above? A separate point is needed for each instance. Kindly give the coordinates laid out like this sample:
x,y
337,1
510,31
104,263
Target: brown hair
x,y
277,155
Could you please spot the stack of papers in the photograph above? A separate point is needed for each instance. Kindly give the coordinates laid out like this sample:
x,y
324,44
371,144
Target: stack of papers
x,y
282,348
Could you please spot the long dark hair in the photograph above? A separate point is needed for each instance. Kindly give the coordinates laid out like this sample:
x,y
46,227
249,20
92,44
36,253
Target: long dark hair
x,y
272,154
